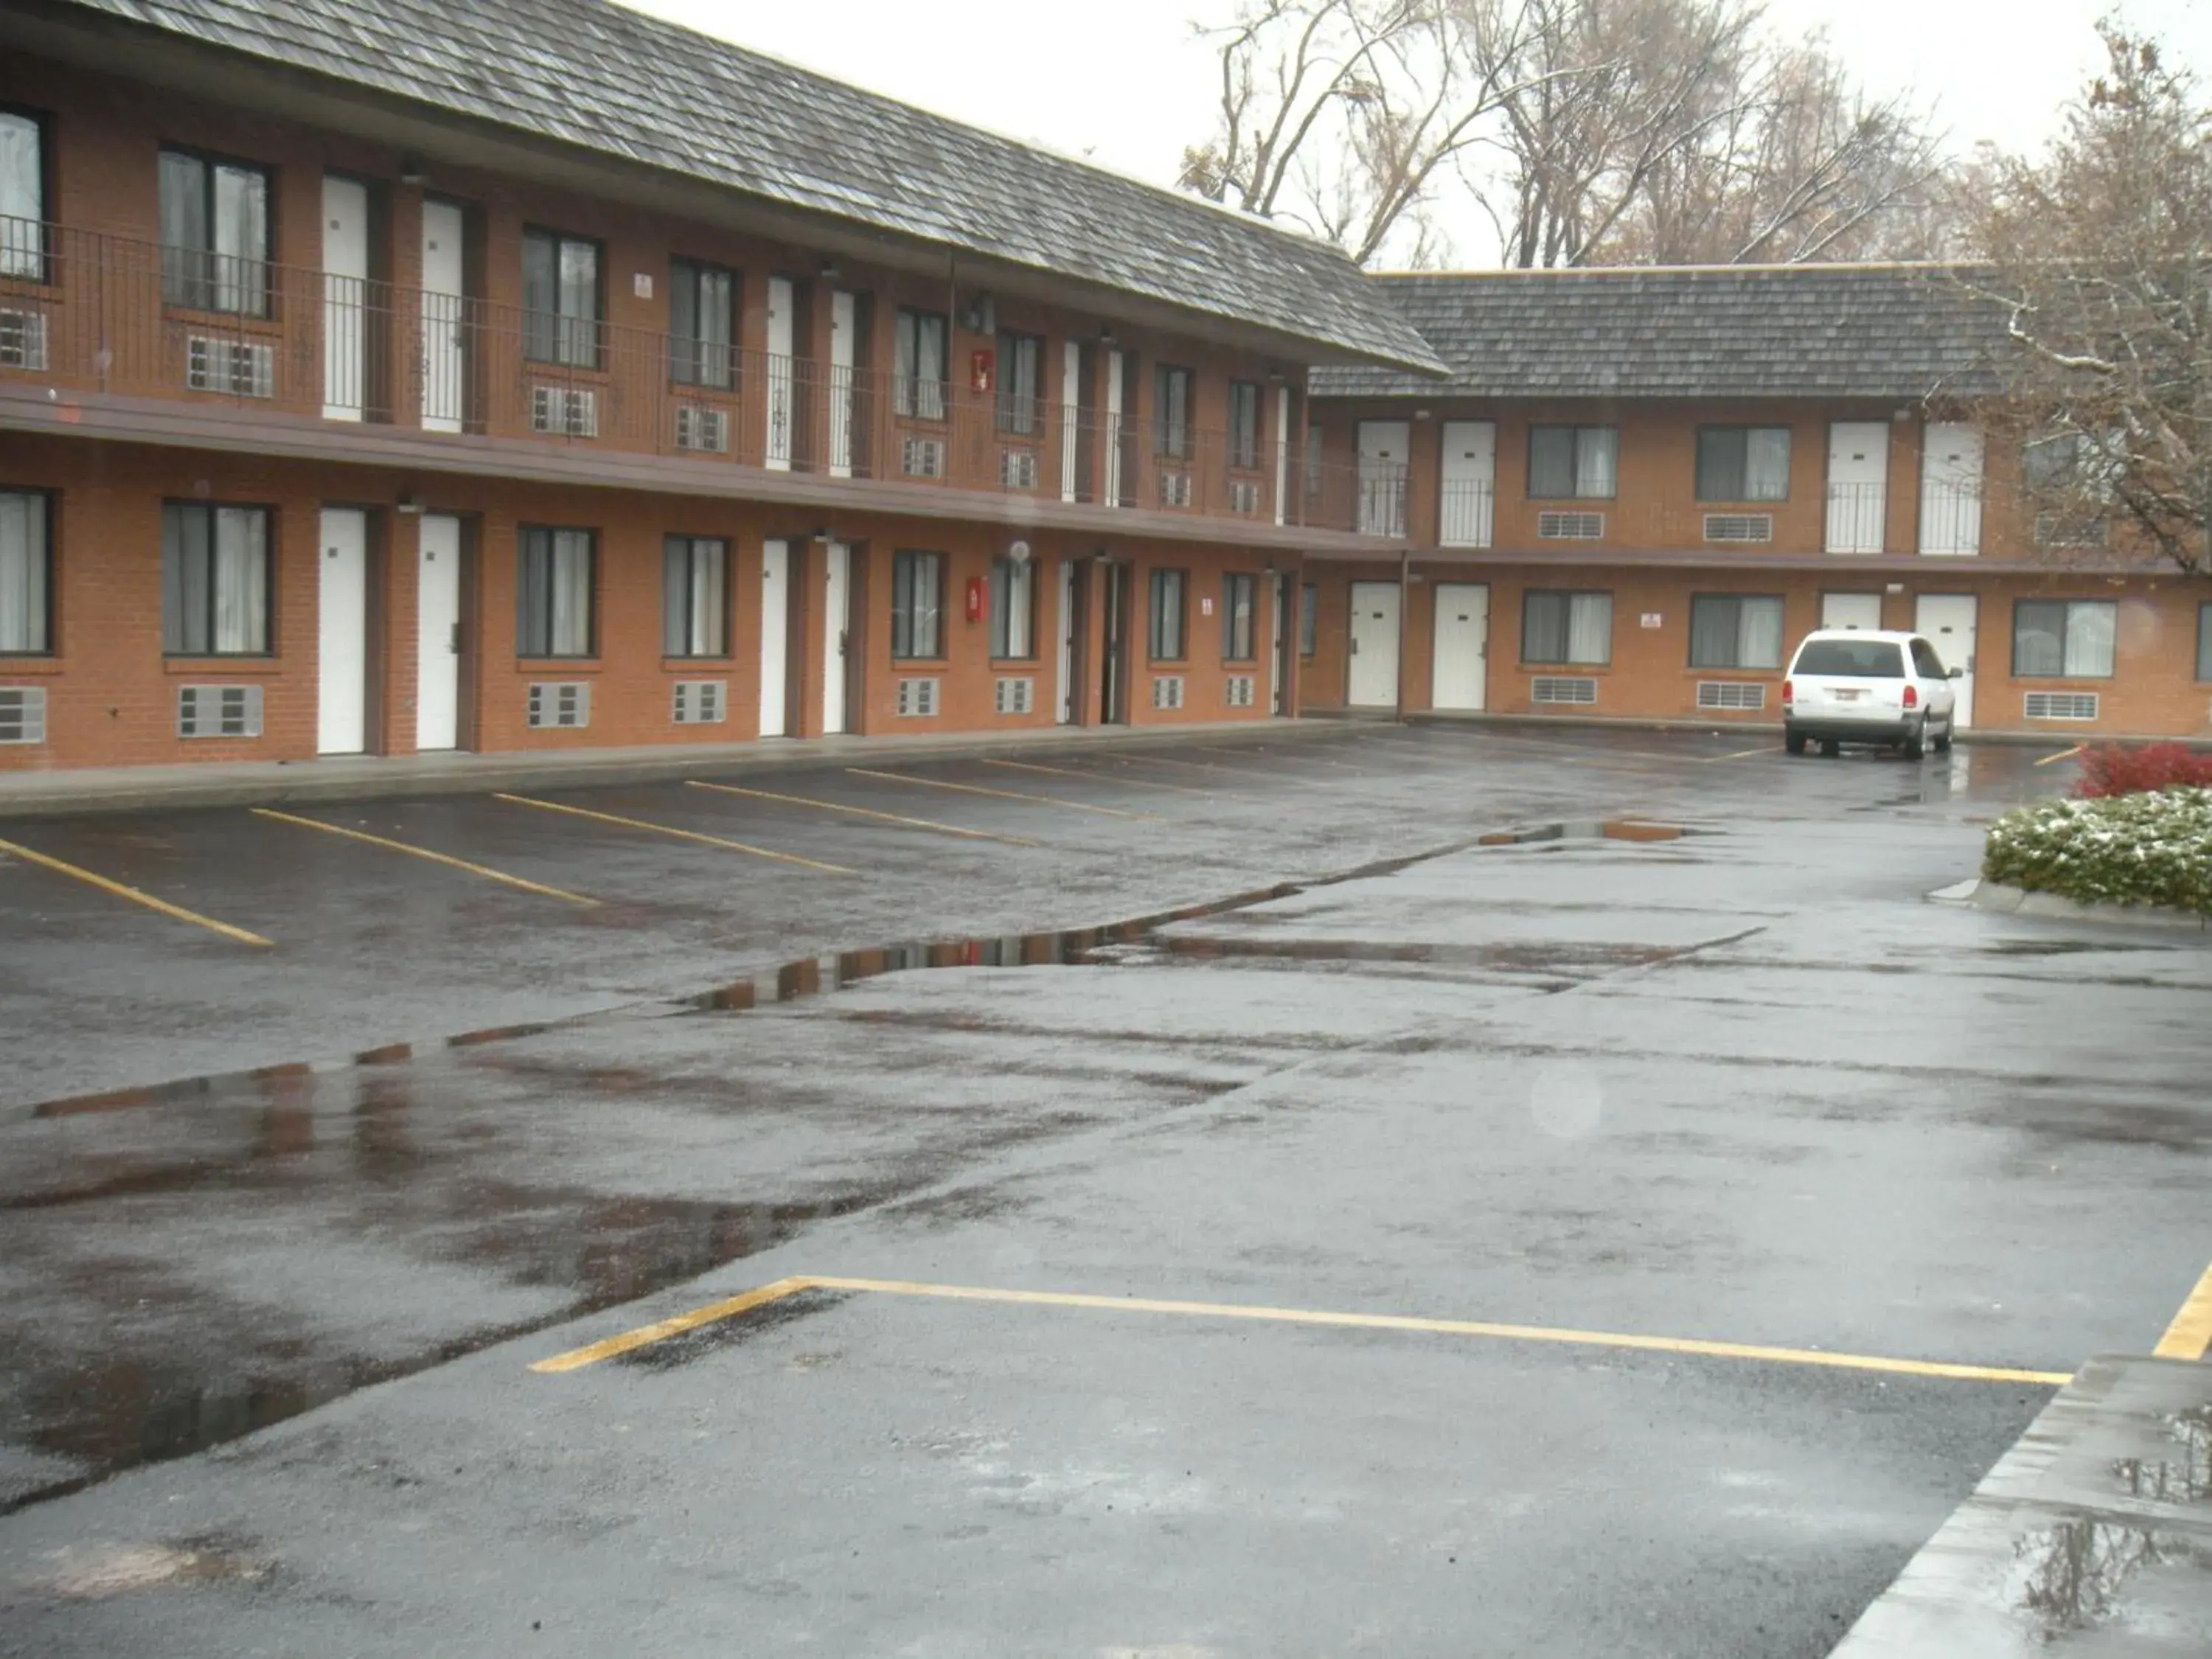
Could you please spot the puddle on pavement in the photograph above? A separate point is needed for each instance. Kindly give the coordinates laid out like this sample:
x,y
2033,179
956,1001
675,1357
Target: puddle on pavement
x,y
2184,1478
2073,1577
1551,956
94,1572
723,1334
1631,829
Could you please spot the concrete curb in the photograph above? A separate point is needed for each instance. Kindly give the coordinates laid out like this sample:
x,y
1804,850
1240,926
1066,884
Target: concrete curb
x,y
2091,1534
268,783
1760,728
2010,901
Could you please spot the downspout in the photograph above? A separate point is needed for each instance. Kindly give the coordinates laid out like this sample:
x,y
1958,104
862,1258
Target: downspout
x,y
1405,604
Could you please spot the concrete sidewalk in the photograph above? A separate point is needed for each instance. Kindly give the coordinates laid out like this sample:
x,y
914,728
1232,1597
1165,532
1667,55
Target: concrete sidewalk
x,y
2092,1537
357,777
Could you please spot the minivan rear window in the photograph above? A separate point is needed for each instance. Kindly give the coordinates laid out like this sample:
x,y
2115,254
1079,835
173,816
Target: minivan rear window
x,y
1863,659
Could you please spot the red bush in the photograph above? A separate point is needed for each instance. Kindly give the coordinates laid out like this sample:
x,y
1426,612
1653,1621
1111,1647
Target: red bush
x,y
2111,769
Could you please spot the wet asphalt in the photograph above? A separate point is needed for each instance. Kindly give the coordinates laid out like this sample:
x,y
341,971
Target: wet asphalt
x,y
1743,1085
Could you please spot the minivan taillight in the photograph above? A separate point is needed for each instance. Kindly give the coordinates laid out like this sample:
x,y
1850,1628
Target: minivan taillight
x,y
1789,692
1912,696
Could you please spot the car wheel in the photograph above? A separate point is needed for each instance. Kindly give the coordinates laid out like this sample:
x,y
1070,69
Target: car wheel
x,y
1794,742
1831,749
1943,744
1916,743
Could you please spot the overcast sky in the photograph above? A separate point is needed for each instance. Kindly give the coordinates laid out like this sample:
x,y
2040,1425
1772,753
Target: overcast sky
x,y
1126,83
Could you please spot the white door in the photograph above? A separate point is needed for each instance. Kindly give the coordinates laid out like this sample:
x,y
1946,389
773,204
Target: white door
x,y
438,633
1858,486
1951,487
444,374
1383,447
1945,621
1282,452
775,635
342,635
1069,569
1470,477
1460,678
781,305
1112,494
1861,610
1373,676
836,637
1071,417
345,298
841,385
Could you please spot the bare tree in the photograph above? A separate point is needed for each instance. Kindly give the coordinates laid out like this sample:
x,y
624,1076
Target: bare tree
x,y
2100,252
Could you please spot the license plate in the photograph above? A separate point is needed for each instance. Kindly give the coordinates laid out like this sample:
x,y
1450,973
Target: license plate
x,y
1848,694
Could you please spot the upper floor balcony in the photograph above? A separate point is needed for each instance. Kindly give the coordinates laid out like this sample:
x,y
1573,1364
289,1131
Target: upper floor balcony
x,y
377,371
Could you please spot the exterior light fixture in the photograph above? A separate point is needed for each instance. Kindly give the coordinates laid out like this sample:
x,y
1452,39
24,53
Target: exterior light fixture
x,y
411,170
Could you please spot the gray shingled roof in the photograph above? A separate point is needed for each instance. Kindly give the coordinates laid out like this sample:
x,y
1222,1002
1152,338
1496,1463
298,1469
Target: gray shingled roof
x,y
613,80
1747,331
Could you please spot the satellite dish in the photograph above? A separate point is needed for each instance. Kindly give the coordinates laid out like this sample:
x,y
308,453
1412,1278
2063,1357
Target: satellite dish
x,y
1020,552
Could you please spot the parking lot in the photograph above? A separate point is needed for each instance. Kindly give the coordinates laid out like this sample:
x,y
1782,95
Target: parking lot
x,y
1551,1193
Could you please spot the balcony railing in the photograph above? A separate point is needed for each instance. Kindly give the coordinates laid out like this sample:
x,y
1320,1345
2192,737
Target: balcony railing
x,y
1858,515
101,313
1467,514
1951,516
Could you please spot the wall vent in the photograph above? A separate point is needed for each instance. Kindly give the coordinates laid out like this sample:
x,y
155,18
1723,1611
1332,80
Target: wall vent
x,y
559,703
1570,526
2061,706
1739,527
567,411
1175,489
1014,696
700,702
1167,691
218,711
698,427
922,457
1018,469
1739,695
1563,690
22,714
917,698
1244,495
240,368
1240,692
22,339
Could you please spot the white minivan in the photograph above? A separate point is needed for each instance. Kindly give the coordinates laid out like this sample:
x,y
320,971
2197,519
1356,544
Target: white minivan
x,y
1856,686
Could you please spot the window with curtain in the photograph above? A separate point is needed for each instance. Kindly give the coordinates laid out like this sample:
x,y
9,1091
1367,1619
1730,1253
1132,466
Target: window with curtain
x,y
1570,462
1566,628
1313,461
25,573
703,323
1021,361
917,606
1166,616
1244,423
215,234
1743,463
553,594
215,579
1013,608
22,197
1308,619
2204,641
1172,411
918,348
560,299
2064,639
1735,630
694,597
1239,592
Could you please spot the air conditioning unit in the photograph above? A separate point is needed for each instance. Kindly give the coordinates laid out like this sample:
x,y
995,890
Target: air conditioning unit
x,y
22,714
1018,469
2060,705
22,339
1239,695
1570,526
1741,695
1167,691
1175,489
1015,697
700,702
1563,690
700,428
567,411
922,457
917,699
1244,495
218,711
558,703
1739,527
238,368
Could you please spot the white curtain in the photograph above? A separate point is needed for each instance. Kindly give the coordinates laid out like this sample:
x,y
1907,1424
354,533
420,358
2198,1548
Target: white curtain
x,y
241,580
1593,453
1766,464
2090,631
22,198
709,559
1590,628
22,573
572,593
241,240
1758,638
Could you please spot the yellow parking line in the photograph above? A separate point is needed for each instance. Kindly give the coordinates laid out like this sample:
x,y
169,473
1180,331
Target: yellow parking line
x,y
681,834
131,893
862,812
1814,1357
483,870
1095,777
2063,754
2190,1333
1002,794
